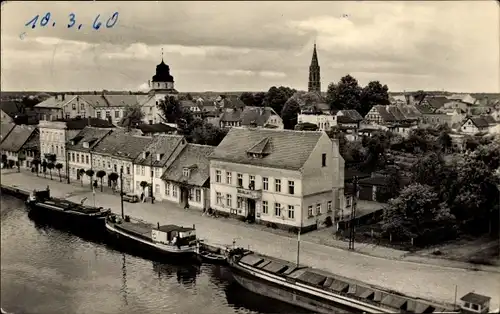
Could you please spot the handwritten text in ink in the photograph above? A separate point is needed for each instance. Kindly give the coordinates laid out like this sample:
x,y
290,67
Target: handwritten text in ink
x,y
71,21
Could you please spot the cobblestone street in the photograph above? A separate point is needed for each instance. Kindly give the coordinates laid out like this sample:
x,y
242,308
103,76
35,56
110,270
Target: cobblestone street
x,y
417,279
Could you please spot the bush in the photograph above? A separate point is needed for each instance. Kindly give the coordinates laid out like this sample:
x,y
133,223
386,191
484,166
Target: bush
x,y
127,218
294,230
274,226
328,221
268,225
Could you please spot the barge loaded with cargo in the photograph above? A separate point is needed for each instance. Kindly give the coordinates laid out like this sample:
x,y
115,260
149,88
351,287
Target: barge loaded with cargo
x,y
320,291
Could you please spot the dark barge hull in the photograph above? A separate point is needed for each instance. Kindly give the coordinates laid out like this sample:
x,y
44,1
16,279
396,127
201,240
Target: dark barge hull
x,y
132,246
81,224
280,293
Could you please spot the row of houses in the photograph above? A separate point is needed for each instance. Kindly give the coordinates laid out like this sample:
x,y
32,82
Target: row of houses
x,y
282,177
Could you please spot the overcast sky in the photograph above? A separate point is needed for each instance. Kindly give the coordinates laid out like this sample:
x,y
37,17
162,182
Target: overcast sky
x,y
251,46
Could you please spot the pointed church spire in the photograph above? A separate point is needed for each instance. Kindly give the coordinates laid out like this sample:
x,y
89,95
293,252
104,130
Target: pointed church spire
x,y
314,73
162,54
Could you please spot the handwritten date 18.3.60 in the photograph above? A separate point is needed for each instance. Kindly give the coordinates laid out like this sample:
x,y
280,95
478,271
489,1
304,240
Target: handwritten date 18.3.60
x,y
71,21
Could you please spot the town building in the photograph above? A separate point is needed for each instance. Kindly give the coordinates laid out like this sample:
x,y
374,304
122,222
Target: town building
x,y
187,179
64,106
20,144
264,117
314,84
281,177
317,113
478,124
398,119
349,122
6,127
150,164
116,151
55,134
79,150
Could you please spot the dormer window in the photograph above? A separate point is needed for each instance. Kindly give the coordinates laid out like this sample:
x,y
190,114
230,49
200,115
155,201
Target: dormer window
x,y
85,144
186,172
145,154
159,157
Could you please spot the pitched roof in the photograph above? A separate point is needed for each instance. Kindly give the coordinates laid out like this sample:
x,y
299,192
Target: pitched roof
x,y
352,114
384,113
123,144
196,158
481,121
33,142
11,107
92,135
165,145
104,100
156,128
5,129
410,112
437,102
475,298
54,102
256,115
286,149
81,123
17,138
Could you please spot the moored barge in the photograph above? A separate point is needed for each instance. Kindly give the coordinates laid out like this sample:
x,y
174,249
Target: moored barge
x,y
320,291
156,242
66,214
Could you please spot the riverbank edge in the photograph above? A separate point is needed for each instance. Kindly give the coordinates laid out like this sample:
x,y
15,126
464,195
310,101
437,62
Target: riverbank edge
x,y
23,192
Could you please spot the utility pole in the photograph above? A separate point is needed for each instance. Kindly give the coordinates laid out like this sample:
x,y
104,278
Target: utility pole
x,y
353,213
67,161
298,247
121,191
151,166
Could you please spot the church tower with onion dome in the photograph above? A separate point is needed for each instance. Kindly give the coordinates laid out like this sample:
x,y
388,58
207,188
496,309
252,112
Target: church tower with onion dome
x,y
162,82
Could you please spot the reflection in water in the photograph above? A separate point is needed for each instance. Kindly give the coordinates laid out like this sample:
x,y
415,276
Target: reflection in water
x,y
124,279
186,274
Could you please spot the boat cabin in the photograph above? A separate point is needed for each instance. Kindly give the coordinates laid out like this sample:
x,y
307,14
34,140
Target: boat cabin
x,y
475,303
173,235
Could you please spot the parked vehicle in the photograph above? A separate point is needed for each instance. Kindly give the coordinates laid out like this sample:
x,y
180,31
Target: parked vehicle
x,y
131,198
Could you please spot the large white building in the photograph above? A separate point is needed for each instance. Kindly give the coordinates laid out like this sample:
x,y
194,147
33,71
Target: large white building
x,y
282,177
152,161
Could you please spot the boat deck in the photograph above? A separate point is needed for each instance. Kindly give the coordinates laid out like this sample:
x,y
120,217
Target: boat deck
x,y
332,283
139,229
68,205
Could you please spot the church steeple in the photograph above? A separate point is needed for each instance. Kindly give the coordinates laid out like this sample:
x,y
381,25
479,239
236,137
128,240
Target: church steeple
x,y
314,73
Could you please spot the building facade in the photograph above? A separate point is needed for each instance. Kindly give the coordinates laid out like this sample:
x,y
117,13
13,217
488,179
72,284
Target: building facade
x,y
281,177
187,179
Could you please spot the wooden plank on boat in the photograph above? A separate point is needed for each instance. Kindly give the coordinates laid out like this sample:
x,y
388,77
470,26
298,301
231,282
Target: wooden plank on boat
x,y
352,289
263,264
393,301
312,278
368,294
419,307
290,270
328,282
338,286
275,267
378,296
251,260
439,310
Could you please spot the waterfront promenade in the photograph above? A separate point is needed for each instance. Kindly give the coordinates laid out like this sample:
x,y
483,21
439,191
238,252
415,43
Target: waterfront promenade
x,y
420,280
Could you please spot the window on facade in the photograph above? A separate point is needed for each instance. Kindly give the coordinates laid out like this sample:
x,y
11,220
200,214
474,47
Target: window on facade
x,y
185,172
323,160
251,183
239,202
82,107
87,161
190,194
277,185
265,184
128,170
198,195
157,172
348,201
228,177
74,106
73,157
291,187
291,212
167,188
329,206
277,209
78,158
98,115
143,170
157,188
318,209
137,170
309,211
229,200
108,114
52,149
117,114
115,168
174,191
240,180
217,176
218,198
265,207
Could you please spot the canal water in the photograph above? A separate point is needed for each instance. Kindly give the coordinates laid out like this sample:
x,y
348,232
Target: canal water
x,y
48,271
